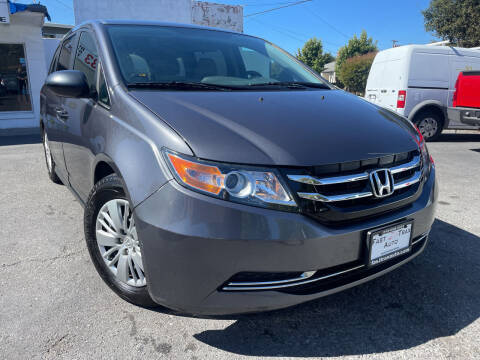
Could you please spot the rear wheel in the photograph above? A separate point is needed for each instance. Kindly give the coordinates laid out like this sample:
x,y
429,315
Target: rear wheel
x,y
49,160
113,243
430,125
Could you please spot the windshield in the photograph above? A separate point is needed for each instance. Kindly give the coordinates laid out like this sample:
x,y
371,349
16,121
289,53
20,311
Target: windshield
x,y
149,55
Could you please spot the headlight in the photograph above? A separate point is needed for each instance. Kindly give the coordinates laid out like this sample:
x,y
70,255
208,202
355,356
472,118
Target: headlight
x,y
242,184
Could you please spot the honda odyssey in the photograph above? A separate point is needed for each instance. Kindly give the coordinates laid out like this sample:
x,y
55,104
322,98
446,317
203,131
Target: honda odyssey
x,y
220,175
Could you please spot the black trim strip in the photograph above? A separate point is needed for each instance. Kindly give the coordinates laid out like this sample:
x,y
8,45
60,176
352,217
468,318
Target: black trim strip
x,y
428,87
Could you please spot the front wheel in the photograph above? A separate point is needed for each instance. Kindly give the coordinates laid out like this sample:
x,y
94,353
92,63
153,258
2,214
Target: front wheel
x,y
430,125
113,243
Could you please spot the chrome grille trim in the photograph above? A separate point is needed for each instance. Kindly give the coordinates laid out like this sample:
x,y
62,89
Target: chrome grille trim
x,y
413,180
333,198
422,237
285,285
311,180
415,162
281,284
303,276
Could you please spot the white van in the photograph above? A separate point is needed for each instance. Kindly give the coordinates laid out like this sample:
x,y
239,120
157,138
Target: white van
x,y
418,82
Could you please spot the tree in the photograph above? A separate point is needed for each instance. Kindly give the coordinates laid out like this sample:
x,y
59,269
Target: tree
x,y
312,55
355,72
355,47
454,20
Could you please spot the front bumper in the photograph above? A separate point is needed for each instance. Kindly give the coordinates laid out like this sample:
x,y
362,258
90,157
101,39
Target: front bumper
x,y
193,244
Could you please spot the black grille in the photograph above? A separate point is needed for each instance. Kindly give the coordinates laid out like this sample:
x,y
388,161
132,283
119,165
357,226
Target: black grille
x,y
339,212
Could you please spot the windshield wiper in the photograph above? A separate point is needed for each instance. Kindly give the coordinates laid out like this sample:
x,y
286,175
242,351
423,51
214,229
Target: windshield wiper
x,y
179,85
294,84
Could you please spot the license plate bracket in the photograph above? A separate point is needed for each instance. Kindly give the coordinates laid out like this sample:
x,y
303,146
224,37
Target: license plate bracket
x,y
389,242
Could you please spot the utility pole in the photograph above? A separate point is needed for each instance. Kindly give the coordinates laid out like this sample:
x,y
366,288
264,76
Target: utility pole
x,y
394,43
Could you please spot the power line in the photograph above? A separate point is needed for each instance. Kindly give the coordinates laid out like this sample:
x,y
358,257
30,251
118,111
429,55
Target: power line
x,y
64,4
327,23
266,4
294,35
279,7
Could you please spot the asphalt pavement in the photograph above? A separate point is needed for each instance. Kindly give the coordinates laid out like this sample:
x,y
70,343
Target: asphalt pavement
x,y
54,305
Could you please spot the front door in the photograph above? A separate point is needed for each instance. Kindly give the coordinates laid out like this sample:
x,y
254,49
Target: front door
x,y
55,114
79,142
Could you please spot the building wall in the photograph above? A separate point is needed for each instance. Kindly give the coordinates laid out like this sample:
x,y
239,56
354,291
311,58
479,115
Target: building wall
x,y
25,28
217,15
182,11
50,46
158,10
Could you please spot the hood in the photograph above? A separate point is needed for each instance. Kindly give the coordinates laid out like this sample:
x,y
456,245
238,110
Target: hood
x,y
290,128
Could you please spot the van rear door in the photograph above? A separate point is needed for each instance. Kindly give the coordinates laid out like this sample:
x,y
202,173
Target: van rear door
x,y
386,79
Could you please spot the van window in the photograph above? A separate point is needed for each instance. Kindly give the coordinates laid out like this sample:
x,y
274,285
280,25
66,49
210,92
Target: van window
x,y
86,58
102,89
63,62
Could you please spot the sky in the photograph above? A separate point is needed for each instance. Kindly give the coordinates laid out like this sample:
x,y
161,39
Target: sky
x,y
334,21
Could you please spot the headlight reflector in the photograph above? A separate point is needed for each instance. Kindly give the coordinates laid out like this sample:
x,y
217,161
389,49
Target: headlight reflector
x,y
231,182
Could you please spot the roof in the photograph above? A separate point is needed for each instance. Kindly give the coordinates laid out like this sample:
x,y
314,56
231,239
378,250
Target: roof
x,y
330,67
16,7
430,49
152,23
57,26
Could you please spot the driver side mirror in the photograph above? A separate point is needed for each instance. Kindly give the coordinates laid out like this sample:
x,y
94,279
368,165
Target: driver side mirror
x,y
68,83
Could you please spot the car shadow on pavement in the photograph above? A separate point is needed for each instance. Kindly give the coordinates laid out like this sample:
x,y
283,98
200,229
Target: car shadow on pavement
x,y
20,140
435,295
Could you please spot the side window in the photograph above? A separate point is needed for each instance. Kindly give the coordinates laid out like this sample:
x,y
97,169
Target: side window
x,y
54,60
86,58
66,51
102,89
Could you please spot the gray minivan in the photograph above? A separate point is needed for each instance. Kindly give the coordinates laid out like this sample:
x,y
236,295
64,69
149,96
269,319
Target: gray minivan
x,y
220,175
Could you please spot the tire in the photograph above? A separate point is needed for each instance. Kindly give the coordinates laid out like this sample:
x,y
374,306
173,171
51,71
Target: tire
x,y
112,238
49,160
430,125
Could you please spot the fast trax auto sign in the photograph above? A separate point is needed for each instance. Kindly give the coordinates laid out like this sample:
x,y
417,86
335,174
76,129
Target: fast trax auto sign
x,y
4,12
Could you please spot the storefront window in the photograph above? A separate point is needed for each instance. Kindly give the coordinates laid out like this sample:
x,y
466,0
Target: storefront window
x,y
14,84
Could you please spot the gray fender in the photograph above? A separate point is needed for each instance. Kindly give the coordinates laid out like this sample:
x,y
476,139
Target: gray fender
x,y
425,103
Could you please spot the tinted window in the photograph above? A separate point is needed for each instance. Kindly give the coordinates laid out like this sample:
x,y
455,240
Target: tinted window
x,y
164,54
63,62
86,58
54,60
102,89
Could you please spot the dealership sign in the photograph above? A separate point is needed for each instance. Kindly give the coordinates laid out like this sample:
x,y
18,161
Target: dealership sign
x,y
4,12
87,56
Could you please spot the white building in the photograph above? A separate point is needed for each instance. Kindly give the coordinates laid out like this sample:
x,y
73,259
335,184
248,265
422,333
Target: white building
x,y
329,72
25,55
22,66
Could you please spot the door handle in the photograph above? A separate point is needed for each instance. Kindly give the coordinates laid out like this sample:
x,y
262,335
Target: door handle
x,y
62,114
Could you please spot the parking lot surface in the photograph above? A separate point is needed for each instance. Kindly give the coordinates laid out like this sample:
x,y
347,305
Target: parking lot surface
x,y
54,305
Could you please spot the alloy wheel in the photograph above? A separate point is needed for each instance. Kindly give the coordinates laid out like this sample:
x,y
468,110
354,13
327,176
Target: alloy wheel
x,y
117,240
428,127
